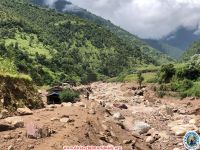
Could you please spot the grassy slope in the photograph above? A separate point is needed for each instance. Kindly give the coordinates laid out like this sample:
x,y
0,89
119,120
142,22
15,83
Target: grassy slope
x,y
192,50
121,33
59,35
165,48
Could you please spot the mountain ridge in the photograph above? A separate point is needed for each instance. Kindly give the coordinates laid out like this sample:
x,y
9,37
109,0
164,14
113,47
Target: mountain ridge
x,y
53,47
121,33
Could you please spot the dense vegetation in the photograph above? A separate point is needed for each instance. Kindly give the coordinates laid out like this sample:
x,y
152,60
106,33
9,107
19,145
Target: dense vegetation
x,y
184,79
174,52
53,47
192,50
69,95
127,37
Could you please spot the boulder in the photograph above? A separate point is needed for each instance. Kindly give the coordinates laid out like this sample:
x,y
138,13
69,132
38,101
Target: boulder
x,y
4,113
24,111
179,127
139,92
35,132
120,106
65,120
180,130
6,126
80,104
141,127
127,141
51,106
49,109
66,104
54,119
118,116
150,139
11,147
92,112
17,122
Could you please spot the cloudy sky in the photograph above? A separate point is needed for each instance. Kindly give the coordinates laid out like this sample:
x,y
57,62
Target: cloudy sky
x,y
146,18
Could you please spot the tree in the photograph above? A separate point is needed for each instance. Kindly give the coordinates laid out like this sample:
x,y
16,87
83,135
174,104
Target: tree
x,y
166,73
140,79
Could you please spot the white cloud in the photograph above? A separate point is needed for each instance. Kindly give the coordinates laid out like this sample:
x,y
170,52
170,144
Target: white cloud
x,y
146,18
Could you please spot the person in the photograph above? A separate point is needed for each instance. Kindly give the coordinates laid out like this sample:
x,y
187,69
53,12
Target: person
x,y
88,91
87,94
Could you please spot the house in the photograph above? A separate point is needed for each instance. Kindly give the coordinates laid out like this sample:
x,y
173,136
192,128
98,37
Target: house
x,y
53,95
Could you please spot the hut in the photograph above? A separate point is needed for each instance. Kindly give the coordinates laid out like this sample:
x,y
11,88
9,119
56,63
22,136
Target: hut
x,y
53,95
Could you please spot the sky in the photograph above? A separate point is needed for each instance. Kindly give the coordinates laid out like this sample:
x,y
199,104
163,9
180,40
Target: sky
x,y
146,18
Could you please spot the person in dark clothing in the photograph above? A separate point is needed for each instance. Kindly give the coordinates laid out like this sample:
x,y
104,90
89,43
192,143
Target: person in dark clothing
x,y
88,91
87,95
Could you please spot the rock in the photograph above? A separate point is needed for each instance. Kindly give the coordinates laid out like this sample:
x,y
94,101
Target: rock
x,y
120,106
151,131
139,92
182,111
166,110
66,104
51,106
150,139
180,130
65,120
54,119
136,135
24,111
127,141
105,127
10,147
192,121
6,126
192,98
141,127
49,109
30,146
35,132
4,113
19,140
17,122
7,137
80,104
92,112
118,115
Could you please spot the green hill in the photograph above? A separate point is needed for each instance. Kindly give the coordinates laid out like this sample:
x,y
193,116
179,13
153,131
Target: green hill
x,y
52,47
165,48
68,7
192,50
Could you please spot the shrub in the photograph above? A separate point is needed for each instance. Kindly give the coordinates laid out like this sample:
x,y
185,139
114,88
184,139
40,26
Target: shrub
x,y
194,91
140,79
160,92
69,95
166,73
181,86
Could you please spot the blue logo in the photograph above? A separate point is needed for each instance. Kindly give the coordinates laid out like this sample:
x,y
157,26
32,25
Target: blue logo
x,y
191,140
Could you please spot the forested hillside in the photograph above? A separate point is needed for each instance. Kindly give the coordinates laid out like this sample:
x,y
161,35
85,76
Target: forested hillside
x,y
52,47
170,50
67,7
192,50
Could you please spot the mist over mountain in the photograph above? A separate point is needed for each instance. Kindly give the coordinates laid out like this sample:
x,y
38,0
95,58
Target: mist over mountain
x,y
69,8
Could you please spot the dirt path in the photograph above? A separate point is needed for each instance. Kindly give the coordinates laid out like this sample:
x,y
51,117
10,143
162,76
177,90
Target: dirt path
x,y
93,123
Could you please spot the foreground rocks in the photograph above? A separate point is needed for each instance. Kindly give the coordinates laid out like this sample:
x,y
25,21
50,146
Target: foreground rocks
x,y
4,113
6,126
24,111
34,131
141,127
17,122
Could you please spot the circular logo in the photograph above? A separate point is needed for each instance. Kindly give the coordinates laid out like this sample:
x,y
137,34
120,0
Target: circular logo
x,y
191,140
